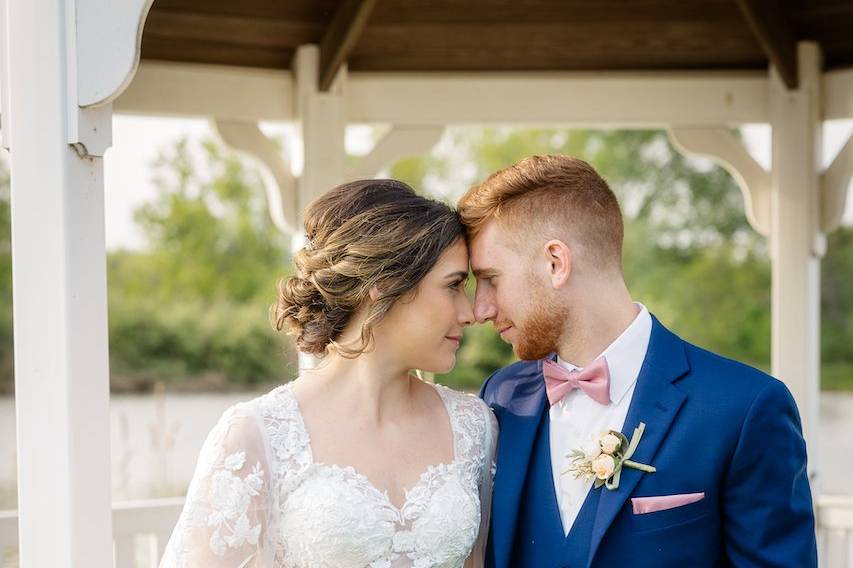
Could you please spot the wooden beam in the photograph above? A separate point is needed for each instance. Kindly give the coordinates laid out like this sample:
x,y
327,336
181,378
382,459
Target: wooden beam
x,y
592,99
768,21
341,36
198,90
612,99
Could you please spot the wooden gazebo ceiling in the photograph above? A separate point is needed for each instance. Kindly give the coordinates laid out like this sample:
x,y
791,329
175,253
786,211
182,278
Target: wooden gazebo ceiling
x,y
502,35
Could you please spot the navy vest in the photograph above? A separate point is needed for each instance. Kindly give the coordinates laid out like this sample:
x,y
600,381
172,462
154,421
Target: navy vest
x,y
539,538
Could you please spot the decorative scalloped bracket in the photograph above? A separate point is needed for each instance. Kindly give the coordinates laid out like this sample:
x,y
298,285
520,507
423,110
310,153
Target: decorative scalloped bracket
x,y
103,54
834,185
322,119
247,138
399,142
723,147
279,182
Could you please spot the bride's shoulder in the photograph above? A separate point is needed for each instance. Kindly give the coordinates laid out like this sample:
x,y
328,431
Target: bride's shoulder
x,y
244,419
458,396
469,408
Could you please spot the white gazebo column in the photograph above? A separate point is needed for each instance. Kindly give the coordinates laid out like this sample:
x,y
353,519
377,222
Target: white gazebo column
x,y
321,117
796,242
60,303
66,61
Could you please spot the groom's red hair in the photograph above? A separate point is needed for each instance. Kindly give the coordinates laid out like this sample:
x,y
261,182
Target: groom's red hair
x,y
553,196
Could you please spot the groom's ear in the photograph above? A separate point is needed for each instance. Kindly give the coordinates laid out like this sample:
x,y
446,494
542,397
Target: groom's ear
x,y
559,258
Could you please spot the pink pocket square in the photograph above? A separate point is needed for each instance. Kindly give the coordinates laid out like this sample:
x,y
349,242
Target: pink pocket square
x,y
643,505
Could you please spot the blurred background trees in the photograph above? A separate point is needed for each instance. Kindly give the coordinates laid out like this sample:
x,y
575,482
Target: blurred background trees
x,y
191,309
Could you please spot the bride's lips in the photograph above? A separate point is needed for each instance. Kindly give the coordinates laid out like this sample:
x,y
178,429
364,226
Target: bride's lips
x,y
455,338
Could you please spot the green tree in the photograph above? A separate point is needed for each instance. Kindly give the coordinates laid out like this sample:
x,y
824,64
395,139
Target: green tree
x,y
193,307
837,310
210,236
688,245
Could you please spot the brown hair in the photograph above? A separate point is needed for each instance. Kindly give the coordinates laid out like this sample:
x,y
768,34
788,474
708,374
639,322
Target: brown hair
x,y
361,234
550,193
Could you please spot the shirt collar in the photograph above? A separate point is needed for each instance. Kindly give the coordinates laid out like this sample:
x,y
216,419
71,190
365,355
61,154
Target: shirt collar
x,y
625,354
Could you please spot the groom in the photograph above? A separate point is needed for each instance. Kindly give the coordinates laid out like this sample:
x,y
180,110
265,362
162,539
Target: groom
x,y
729,486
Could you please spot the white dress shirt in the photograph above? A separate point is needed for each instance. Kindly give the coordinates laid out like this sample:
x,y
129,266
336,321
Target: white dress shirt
x,y
577,418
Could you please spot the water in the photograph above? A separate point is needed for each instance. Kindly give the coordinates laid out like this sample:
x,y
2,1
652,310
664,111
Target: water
x,y
155,442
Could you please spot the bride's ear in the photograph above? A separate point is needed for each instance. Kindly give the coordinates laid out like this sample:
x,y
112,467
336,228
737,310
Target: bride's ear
x,y
375,293
380,290
559,258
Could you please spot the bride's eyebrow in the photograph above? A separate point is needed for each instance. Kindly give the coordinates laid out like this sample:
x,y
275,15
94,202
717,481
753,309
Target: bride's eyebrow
x,y
458,274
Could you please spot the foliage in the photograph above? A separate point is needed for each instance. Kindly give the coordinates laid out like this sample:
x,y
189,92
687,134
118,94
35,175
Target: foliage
x,y
192,308
690,254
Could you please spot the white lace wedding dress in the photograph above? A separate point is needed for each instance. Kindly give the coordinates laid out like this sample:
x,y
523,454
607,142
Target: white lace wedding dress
x,y
258,499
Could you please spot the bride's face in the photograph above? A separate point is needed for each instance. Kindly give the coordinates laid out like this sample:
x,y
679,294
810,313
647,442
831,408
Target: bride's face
x,y
425,331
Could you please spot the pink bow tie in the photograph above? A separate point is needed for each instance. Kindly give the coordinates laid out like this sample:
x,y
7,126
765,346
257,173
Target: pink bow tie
x,y
594,380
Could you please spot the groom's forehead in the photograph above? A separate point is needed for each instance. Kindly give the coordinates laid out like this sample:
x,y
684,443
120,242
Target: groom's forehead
x,y
487,238
486,258
489,243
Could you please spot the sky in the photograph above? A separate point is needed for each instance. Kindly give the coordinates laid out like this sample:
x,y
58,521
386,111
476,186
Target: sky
x,y
137,141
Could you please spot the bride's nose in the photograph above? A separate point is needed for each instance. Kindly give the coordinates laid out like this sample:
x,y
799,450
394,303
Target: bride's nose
x,y
466,313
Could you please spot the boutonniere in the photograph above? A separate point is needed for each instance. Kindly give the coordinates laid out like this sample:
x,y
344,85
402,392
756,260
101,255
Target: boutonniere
x,y
604,457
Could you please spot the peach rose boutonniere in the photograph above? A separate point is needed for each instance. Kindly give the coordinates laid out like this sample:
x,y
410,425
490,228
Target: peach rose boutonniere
x,y
603,458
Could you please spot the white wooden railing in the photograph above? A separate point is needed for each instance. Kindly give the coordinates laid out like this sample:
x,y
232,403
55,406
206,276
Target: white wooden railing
x,y
835,531
142,528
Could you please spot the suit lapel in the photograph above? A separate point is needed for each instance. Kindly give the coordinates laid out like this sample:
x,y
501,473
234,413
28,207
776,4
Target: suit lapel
x,y
519,424
656,402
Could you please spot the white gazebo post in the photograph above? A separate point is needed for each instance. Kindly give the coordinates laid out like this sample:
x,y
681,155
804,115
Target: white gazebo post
x,y
62,64
321,118
788,205
796,241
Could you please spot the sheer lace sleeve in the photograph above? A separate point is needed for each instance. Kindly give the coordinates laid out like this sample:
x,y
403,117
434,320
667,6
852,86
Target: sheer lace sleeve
x,y
225,518
477,559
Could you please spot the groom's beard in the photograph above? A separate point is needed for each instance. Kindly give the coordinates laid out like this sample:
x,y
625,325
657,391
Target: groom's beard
x,y
541,332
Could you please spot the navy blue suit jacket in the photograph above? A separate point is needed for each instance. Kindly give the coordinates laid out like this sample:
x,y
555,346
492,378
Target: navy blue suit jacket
x,y
713,425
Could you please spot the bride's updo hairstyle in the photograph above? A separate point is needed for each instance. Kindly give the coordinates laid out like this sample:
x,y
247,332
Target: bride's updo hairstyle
x,y
361,234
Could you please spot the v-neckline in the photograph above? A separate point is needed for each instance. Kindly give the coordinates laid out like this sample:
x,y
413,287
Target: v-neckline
x,y
364,479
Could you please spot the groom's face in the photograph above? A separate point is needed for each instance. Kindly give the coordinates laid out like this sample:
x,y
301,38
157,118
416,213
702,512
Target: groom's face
x,y
510,295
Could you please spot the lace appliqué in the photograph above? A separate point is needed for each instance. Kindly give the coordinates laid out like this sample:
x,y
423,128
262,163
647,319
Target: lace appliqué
x,y
333,515
226,501
259,499
230,496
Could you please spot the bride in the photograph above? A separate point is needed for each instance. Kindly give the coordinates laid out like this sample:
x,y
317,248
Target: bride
x,y
356,463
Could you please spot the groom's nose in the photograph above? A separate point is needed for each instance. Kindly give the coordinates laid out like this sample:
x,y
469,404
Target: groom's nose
x,y
484,307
